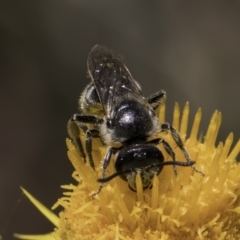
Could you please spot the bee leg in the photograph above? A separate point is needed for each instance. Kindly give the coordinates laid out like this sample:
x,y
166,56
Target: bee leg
x,y
168,149
74,133
178,141
80,121
91,133
156,99
86,119
106,161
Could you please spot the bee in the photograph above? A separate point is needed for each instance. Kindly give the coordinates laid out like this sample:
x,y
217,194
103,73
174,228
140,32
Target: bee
x,y
113,104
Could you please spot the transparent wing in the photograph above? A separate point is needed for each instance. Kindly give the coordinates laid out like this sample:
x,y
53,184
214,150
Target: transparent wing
x,y
111,77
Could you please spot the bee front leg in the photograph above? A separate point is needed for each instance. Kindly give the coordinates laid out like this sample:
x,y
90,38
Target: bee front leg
x,y
178,141
106,161
168,149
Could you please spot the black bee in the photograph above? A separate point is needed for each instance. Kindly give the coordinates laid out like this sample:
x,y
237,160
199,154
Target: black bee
x,y
124,120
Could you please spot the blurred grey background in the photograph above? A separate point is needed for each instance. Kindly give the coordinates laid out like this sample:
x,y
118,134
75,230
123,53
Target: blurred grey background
x,y
190,49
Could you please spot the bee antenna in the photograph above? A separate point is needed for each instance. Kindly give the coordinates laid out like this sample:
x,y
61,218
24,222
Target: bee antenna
x,y
106,179
183,164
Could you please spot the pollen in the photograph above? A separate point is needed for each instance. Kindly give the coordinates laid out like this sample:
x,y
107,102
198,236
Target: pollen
x,y
186,206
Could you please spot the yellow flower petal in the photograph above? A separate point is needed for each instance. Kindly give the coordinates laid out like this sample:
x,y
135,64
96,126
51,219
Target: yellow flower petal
x,y
48,236
44,210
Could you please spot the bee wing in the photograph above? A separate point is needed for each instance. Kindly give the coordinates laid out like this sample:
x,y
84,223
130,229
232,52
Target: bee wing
x,y
111,77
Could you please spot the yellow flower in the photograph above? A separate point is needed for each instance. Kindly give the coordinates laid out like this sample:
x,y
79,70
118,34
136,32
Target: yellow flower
x,y
186,206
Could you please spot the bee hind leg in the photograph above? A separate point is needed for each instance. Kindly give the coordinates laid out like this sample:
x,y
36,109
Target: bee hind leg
x,y
156,99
